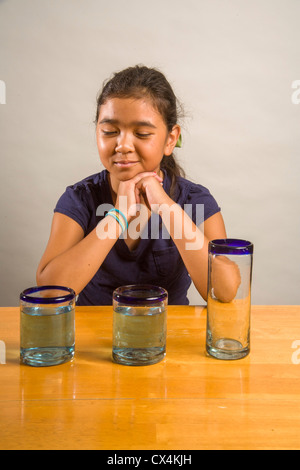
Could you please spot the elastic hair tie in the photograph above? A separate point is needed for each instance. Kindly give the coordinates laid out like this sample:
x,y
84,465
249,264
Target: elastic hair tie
x,y
121,213
115,216
179,142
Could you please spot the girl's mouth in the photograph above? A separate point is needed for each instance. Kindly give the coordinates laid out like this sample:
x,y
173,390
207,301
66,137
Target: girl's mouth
x,y
124,164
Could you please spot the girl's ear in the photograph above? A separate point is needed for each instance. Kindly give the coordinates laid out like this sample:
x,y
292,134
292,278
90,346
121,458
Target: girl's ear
x,y
172,139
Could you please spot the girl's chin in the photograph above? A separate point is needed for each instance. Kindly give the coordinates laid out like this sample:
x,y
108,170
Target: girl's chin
x,y
127,172
123,175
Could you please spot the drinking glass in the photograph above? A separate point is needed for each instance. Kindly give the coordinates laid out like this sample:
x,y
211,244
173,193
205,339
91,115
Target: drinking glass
x,y
229,298
139,324
47,325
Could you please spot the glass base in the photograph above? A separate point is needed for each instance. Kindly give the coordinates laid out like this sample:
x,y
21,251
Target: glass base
x,y
227,349
45,357
138,357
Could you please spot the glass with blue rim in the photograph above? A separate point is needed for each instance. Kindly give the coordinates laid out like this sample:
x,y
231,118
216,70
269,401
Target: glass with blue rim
x,y
139,324
230,264
47,325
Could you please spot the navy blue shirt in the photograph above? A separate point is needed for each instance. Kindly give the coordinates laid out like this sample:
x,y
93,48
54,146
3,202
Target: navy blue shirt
x,y
156,259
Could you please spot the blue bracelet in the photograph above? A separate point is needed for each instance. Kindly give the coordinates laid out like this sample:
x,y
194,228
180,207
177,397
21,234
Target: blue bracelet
x,y
117,219
121,213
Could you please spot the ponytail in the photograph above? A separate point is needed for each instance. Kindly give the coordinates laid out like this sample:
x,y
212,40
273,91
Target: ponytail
x,y
173,169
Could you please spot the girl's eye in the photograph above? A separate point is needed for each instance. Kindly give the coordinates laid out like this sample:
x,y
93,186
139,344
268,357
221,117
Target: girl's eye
x,y
109,133
142,135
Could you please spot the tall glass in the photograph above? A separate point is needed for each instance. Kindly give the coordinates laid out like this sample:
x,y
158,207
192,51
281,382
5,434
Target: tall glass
x,y
139,324
47,325
229,298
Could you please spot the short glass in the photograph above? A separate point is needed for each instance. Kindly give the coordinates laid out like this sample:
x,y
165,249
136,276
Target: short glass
x,y
47,325
229,298
139,324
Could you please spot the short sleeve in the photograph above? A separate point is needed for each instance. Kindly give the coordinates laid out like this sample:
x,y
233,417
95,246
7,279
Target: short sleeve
x,y
73,204
200,204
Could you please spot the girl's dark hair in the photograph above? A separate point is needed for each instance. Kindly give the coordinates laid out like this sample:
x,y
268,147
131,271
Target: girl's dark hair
x,y
140,82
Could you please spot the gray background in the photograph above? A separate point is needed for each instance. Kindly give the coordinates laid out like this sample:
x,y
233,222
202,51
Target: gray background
x,y
231,63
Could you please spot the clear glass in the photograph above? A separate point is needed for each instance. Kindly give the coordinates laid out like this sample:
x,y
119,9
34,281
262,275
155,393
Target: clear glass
x,y
229,298
139,325
47,325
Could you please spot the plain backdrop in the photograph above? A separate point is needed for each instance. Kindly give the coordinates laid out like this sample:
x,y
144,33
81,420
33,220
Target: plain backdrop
x,y
232,63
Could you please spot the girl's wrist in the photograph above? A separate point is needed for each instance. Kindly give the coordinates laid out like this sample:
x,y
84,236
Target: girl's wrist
x,y
164,207
120,217
122,208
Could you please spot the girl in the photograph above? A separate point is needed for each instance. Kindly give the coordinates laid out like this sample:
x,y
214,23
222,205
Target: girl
x,y
95,251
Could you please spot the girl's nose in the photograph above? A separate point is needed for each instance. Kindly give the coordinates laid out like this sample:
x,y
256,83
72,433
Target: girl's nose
x,y
124,144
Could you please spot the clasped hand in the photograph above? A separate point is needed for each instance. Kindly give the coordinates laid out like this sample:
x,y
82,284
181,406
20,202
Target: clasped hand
x,y
145,188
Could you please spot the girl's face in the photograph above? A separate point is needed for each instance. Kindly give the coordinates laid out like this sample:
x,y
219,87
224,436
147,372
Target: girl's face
x,y
132,137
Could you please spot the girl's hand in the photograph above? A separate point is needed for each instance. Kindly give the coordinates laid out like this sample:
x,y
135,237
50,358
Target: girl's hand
x,y
150,190
134,191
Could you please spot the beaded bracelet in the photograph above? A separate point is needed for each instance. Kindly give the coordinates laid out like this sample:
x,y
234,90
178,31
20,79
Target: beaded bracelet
x,y
115,213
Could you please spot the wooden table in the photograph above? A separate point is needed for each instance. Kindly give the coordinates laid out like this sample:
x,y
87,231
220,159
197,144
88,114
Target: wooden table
x,y
187,401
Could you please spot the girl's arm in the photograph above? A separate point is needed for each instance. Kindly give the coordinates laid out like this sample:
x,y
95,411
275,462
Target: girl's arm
x,y
192,242
193,245
71,259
